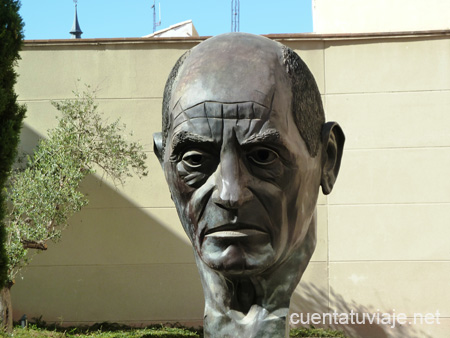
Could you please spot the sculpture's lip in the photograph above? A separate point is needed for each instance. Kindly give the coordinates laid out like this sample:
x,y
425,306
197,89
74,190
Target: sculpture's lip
x,y
237,233
235,230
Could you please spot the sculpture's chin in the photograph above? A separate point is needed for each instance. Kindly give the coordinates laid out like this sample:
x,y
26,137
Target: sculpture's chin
x,y
243,255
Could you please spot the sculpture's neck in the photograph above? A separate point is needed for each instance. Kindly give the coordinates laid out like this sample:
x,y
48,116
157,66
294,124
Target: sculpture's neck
x,y
255,305
241,307
257,323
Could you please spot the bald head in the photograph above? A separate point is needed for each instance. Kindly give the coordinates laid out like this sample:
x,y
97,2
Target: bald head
x,y
247,150
238,68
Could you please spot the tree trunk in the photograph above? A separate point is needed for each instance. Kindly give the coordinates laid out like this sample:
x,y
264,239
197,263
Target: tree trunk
x,y
6,315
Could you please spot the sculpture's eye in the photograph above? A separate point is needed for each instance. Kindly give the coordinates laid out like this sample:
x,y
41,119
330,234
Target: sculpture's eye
x,y
195,166
193,158
263,156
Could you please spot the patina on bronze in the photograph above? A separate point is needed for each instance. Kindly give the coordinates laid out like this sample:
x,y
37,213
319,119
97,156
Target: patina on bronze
x,y
245,149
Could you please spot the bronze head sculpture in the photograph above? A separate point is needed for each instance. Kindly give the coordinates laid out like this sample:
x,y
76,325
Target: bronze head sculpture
x,y
245,149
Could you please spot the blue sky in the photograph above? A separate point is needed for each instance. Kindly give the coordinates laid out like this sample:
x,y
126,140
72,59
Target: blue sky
x,y
52,19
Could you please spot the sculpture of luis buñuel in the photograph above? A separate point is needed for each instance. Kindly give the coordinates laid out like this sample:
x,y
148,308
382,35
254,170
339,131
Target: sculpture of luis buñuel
x,y
245,148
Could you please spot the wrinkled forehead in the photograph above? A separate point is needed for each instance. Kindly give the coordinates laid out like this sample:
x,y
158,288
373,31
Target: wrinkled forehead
x,y
211,114
233,69
219,123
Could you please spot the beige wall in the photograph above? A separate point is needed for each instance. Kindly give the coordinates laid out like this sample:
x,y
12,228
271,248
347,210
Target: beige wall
x,y
383,232
362,16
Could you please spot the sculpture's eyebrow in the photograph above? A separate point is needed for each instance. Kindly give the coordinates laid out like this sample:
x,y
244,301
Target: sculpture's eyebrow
x,y
184,138
269,136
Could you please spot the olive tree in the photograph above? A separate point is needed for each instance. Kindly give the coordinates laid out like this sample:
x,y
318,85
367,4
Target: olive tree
x,y
44,193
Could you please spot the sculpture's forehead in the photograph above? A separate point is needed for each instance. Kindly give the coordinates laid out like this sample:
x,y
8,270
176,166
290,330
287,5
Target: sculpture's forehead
x,y
233,68
209,118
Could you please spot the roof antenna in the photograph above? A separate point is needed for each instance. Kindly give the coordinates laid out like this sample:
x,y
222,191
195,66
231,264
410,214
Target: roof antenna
x,y
76,30
235,5
156,24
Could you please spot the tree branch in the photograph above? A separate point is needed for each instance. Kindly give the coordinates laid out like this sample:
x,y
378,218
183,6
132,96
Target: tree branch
x,y
39,245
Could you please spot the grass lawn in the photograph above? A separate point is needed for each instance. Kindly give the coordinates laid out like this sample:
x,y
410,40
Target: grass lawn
x,y
35,332
107,330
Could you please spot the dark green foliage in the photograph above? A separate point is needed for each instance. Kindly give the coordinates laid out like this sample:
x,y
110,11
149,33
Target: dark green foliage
x,y
11,113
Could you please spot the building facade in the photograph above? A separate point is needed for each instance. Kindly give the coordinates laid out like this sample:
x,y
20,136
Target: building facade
x,y
355,16
383,235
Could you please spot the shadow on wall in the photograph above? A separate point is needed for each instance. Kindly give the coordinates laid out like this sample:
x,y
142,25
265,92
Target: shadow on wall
x,y
116,262
309,300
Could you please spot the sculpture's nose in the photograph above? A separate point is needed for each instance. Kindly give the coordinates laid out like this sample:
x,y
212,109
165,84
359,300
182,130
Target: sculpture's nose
x,y
232,180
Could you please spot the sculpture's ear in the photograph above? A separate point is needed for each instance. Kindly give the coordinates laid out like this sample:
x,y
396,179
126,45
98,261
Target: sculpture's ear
x,y
333,144
158,147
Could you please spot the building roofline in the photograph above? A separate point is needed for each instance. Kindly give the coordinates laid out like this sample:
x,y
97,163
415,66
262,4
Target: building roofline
x,y
352,36
99,41
193,39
